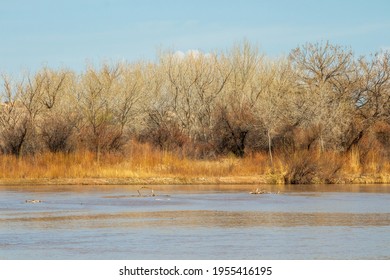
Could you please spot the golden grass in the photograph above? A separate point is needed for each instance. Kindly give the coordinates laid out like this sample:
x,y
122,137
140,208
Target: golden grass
x,y
139,160
143,161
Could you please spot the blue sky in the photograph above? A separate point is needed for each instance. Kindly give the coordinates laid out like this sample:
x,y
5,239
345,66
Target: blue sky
x,y
72,33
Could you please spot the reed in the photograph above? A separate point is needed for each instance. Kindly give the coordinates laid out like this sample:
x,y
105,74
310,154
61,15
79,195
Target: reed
x,y
140,160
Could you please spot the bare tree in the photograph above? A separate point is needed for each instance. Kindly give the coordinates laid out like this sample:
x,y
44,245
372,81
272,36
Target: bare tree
x,y
194,83
235,118
58,119
13,119
112,100
326,79
95,102
372,96
277,103
129,99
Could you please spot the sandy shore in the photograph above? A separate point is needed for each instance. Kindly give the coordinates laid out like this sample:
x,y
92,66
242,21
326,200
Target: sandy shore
x,y
233,180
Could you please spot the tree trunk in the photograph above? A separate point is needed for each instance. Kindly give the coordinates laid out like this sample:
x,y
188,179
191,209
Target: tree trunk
x,y
270,148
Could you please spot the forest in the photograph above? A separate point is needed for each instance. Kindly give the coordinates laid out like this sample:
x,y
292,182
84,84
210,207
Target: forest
x,y
318,115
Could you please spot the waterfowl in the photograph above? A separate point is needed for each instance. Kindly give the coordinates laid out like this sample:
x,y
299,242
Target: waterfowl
x,y
257,191
33,201
151,191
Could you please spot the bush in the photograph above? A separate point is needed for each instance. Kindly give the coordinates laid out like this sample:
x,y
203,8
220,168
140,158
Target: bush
x,y
56,134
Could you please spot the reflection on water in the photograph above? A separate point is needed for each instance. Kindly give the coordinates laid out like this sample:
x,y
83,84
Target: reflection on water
x,y
203,219
196,222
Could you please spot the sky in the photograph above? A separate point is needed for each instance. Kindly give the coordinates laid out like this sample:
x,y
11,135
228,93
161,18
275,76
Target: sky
x,y
74,33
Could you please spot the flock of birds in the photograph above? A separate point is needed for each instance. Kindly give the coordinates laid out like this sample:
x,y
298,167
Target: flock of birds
x,y
151,193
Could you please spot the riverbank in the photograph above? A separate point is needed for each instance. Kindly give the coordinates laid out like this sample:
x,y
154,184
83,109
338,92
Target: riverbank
x,y
247,180
228,180
143,165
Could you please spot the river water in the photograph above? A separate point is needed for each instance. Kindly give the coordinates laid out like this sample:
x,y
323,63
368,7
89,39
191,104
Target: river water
x,y
195,222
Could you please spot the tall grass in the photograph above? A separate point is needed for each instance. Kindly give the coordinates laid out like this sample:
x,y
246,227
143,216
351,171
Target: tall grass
x,y
305,167
143,161
138,160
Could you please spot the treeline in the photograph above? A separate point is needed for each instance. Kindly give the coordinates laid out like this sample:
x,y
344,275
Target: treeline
x,y
319,98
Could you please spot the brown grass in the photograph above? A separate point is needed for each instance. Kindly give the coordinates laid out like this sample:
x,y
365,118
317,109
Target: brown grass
x,y
143,161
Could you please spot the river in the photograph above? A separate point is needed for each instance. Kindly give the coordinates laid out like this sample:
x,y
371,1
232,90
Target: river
x,y
195,222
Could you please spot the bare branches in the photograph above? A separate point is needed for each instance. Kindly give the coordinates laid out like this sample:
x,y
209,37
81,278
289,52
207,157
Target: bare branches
x,y
320,97
321,63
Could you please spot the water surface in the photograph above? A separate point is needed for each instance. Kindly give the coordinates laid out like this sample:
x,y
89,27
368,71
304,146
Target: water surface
x,y
195,222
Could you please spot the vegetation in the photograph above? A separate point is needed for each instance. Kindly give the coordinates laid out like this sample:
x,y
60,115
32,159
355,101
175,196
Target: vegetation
x,y
319,115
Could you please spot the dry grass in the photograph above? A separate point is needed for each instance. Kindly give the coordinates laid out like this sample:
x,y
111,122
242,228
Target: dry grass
x,y
143,161
139,160
336,167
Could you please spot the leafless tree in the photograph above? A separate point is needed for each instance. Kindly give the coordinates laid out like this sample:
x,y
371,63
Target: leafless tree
x,y
14,118
326,77
94,99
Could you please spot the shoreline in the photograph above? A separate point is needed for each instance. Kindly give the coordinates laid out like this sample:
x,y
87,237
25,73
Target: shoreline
x,y
226,180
